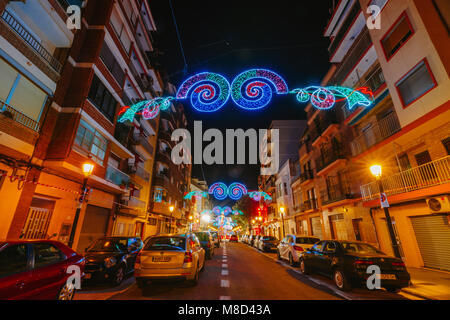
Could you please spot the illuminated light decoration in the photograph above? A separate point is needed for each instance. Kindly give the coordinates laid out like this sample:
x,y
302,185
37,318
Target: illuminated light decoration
x,y
206,212
149,109
258,195
219,190
237,213
253,89
196,194
325,98
208,91
218,210
236,190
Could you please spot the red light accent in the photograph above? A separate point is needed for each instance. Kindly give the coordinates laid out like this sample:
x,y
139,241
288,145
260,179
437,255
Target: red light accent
x,y
363,262
187,257
298,248
123,109
398,264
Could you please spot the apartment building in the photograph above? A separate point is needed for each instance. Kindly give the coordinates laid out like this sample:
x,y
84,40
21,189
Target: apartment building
x,y
170,181
198,205
106,66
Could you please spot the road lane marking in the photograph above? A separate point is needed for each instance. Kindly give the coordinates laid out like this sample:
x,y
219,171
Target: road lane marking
x,y
224,298
225,283
224,272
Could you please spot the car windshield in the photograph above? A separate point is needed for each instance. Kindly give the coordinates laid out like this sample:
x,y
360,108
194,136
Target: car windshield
x,y
109,245
202,236
269,238
355,247
306,240
165,243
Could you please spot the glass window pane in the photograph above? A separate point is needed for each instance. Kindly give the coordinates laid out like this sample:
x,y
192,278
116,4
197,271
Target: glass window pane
x,y
28,98
417,83
13,259
7,78
46,254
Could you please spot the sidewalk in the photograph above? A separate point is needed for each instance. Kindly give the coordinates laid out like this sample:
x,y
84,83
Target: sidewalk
x,y
429,284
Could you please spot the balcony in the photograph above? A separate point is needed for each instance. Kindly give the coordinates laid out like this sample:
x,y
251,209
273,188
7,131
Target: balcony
x,y
329,156
306,176
139,171
428,175
310,204
31,41
373,135
335,193
117,177
9,112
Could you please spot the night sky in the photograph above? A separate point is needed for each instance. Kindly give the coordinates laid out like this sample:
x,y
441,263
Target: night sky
x,y
228,37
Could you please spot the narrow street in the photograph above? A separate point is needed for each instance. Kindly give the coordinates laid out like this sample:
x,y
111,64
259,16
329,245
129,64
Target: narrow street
x,y
240,272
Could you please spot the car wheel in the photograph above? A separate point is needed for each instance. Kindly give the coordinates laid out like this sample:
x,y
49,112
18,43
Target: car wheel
x,y
119,275
278,255
66,292
340,280
393,289
291,260
303,268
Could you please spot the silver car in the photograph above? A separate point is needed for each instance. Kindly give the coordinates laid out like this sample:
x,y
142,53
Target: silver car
x,y
170,256
292,247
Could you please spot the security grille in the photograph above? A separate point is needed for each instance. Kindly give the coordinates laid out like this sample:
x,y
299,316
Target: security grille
x,y
37,223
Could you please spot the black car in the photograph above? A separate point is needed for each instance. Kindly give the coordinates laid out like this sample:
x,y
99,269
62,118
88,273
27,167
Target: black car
x,y
347,262
268,243
207,243
111,258
216,238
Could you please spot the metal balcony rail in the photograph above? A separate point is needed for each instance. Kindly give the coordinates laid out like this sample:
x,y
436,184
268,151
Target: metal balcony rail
x,y
427,175
142,140
141,172
31,41
18,116
329,156
309,204
306,175
117,177
335,193
378,132
375,79
137,203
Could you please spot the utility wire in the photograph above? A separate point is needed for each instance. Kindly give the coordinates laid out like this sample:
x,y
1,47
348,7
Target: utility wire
x,y
178,35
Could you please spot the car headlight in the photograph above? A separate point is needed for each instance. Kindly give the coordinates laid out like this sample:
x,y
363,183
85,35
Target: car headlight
x,y
109,262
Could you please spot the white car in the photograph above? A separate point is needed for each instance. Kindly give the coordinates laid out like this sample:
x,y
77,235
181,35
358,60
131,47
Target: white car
x,y
292,247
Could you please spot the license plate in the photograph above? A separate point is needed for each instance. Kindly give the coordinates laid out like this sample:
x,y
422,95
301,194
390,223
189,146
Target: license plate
x,y
161,259
87,275
387,276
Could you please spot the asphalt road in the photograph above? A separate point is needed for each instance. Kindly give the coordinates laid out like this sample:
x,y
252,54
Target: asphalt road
x,y
240,272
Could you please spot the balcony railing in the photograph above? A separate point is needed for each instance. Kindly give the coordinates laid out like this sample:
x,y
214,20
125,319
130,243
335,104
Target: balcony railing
x,y
329,156
18,116
430,174
31,41
309,204
378,132
142,140
306,175
335,193
117,177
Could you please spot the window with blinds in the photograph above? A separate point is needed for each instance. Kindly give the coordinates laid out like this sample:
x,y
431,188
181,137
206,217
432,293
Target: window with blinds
x,y
397,36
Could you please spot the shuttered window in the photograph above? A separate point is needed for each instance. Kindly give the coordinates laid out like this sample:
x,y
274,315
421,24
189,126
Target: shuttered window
x,y
399,34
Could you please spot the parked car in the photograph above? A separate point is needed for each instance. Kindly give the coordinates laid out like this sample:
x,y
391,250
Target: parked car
x,y
233,238
170,256
346,262
216,238
207,243
37,269
255,241
292,247
267,243
111,258
250,240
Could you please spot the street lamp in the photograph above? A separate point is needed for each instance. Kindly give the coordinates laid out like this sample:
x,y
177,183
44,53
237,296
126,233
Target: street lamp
x,y
87,169
171,208
376,172
282,209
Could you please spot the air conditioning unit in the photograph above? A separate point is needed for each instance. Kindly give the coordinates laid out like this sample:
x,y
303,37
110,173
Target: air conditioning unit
x,y
439,204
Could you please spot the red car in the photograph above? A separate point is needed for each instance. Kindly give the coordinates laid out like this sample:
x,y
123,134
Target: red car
x,y
37,269
234,238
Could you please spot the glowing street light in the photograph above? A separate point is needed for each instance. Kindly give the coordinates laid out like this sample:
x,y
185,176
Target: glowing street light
x,y
282,209
206,218
376,171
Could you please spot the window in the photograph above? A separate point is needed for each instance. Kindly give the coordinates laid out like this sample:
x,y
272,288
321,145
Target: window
x,y
159,195
112,64
399,33
46,254
91,141
423,158
404,162
102,99
416,83
318,246
446,144
119,28
13,259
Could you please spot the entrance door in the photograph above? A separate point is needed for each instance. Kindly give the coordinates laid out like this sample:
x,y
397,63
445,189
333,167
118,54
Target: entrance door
x,y
316,225
433,238
95,224
337,227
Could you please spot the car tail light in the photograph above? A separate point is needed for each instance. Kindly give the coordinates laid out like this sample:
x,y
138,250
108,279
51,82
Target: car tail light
x,y
298,248
363,262
398,264
187,257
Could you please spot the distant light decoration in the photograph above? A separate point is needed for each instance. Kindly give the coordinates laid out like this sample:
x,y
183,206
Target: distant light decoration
x,y
196,194
208,91
236,190
253,89
219,190
218,210
258,195
237,213
325,98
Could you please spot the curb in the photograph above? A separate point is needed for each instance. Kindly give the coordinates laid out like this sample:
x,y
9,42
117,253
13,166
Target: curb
x,y
408,291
